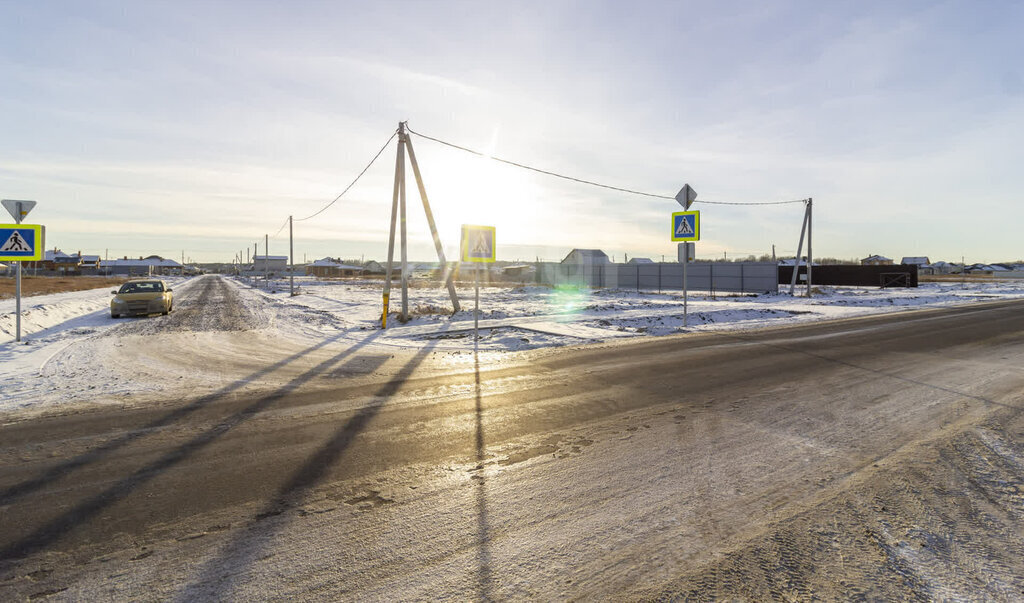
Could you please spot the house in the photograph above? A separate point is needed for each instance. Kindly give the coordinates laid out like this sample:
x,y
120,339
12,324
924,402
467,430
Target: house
x,y
373,267
90,264
803,262
53,260
519,271
918,261
269,264
876,260
148,266
635,261
941,267
332,268
586,257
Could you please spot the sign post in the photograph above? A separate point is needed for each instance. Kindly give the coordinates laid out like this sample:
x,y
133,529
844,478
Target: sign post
x,y
686,229
478,247
15,247
686,255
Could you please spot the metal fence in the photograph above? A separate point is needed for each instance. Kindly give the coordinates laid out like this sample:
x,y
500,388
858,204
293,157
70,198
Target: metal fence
x,y
734,277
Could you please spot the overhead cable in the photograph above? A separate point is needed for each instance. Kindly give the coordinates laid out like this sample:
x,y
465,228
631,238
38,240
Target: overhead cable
x,y
280,229
591,183
342,194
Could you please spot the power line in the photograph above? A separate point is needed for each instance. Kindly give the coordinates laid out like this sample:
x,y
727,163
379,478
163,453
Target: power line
x,y
342,194
591,183
538,170
280,229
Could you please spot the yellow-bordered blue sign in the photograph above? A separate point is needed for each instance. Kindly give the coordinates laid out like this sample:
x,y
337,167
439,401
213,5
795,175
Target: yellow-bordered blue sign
x,y
478,243
686,226
21,242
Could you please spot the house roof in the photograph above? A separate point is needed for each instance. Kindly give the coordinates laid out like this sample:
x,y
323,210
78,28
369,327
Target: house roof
x,y
587,254
153,260
877,258
915,260
640,261
332,263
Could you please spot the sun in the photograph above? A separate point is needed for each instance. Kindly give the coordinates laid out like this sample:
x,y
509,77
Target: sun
x,y
471,189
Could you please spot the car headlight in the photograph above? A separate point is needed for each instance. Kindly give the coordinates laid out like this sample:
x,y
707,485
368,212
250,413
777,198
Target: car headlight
x,y
117,302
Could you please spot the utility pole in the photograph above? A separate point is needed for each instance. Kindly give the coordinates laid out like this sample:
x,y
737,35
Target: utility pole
x,y
398,218
810,254
291,255
799,249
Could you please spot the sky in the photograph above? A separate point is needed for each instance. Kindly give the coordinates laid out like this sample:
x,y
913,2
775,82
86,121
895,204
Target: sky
x,y
195,129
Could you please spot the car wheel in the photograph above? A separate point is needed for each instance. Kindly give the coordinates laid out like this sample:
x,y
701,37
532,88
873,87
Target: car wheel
x,y
112,315
166,310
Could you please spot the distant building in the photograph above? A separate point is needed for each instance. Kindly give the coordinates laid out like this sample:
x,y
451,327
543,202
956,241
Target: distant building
x,y
373,267
635,261
586,257
876,260
153,265
915,261
519,271
269,264
332,268
55,261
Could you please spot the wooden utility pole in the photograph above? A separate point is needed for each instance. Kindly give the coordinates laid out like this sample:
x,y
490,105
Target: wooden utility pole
x,y
398,217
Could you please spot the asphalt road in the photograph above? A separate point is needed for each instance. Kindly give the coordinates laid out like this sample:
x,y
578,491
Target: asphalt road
x,y
878,457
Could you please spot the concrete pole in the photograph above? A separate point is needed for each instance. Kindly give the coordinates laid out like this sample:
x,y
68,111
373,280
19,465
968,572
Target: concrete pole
x,y
291,256
391,239
810,254
402,136
448,276
799,250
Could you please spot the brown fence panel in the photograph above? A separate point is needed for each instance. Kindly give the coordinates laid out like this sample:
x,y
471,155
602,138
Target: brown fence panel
x,y
898,275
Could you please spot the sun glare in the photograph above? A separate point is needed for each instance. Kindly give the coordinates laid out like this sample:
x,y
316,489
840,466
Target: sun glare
x,y
480,190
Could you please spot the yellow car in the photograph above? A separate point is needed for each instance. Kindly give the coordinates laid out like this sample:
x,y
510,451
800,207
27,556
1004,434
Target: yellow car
x,y
141,296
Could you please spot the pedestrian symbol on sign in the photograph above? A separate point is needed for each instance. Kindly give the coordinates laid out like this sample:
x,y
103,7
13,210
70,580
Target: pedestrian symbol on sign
x,y
477,243
15,243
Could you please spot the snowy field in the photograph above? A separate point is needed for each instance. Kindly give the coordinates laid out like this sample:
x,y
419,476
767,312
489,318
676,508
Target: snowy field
x,y
66,336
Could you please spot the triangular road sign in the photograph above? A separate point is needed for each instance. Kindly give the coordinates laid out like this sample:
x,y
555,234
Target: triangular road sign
x,y
12,206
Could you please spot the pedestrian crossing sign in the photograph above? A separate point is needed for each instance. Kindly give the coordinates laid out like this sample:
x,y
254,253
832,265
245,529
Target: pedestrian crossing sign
x,y
477,243
21,242
686,226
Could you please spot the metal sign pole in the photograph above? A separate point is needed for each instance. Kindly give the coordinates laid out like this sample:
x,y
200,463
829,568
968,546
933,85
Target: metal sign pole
x,y
17,284
17,303
686,261
476,306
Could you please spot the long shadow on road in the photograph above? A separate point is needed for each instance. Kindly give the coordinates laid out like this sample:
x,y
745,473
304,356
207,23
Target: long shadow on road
x,y
60,470
82,512
215,579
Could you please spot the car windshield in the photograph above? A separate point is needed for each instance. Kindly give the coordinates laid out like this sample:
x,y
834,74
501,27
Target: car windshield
x,y
146,287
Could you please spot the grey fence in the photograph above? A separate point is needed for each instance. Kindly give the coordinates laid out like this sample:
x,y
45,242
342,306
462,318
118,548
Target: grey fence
x,y
735,277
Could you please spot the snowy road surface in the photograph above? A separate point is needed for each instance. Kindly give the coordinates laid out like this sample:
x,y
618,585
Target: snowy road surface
x,y
879,457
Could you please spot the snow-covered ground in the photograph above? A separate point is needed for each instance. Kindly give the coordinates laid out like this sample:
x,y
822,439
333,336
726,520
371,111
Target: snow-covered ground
x,y
65,336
